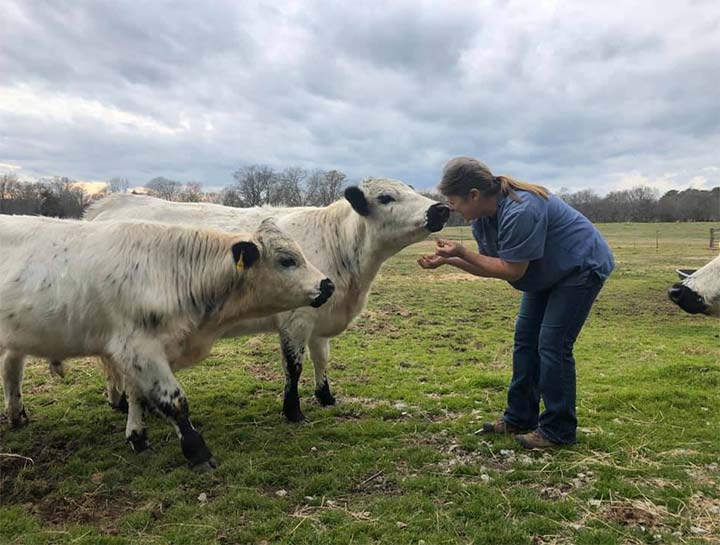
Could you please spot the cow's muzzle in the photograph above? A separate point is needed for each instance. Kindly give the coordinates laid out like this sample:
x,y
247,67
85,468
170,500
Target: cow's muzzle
x,y
437,216
326,290
688,300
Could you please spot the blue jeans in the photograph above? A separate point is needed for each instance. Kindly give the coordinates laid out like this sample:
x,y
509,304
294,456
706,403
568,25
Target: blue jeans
x,y
543,364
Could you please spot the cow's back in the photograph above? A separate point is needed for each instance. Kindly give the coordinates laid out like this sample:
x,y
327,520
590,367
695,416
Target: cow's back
x,y
316,230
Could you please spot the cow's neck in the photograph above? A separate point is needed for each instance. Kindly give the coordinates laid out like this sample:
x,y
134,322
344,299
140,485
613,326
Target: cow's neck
x,y
356,255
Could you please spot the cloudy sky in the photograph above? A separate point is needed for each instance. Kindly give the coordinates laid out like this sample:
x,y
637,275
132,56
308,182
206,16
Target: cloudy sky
x,y
569,94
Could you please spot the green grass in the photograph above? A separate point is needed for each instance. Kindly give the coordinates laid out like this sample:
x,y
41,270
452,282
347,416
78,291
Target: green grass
x,y
398,461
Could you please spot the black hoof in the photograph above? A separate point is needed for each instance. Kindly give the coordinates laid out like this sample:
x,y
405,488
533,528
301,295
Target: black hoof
x,y
195,450
20,421
324,397
122,405
295,416
138,441
204,467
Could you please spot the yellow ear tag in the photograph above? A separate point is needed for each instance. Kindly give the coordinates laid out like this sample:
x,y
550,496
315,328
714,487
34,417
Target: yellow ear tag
x,y
240,265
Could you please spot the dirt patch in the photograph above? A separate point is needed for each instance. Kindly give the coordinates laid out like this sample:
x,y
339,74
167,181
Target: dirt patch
x,y
29,482
266,371
376,482
704,515
641,514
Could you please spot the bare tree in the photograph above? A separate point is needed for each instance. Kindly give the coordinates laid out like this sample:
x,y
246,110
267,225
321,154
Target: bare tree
x,y
164,188
8,183
255,184
324,188
287,189
230,196
192,192
118,185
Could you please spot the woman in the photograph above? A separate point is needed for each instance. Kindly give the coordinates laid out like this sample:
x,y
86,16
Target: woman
x,y
558,259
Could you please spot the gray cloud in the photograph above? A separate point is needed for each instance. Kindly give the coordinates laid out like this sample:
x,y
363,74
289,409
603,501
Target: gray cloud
x,y
602,97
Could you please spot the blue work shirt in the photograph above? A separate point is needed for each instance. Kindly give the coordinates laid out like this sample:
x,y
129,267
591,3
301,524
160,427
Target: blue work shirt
x,y
561,245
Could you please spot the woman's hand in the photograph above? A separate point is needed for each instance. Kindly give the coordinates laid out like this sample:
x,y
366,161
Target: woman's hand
x,y
431,261
447,248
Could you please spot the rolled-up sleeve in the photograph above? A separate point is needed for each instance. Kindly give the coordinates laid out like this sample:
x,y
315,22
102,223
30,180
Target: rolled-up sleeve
x,y
522,233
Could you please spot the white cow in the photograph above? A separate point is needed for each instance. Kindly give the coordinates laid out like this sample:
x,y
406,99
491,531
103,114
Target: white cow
x,y
699,293
146,297
349,240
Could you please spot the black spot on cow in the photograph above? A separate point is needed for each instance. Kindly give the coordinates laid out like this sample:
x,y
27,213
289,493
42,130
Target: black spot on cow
x,y
247,251
121,405
291,401
151,320
357,200
323,395
138,440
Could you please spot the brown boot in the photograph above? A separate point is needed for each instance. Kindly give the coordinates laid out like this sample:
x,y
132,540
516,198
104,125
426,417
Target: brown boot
x,y
535,440
501,427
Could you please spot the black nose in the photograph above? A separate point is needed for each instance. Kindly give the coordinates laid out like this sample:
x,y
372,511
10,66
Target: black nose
x,y
440,212
327,288
675,293
437,215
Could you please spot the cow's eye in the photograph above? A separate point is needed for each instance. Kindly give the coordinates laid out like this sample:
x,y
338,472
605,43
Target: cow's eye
x,y
288,262
385,199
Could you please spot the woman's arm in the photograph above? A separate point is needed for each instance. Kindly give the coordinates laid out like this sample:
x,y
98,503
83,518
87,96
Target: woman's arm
x,y
478,264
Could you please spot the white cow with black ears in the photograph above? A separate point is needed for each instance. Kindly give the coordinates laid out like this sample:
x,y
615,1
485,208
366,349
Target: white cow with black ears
x,y
148,298
349,240
699,293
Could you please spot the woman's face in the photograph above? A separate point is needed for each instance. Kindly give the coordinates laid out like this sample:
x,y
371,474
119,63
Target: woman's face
x,y
474,206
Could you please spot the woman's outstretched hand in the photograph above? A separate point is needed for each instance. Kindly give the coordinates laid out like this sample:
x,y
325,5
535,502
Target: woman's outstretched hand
x,y
447,248
431,261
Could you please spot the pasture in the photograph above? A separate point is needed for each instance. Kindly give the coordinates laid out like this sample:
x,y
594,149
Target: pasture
x,y
398,460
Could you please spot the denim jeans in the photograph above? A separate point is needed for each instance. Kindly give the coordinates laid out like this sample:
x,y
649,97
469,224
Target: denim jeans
x,y
543,364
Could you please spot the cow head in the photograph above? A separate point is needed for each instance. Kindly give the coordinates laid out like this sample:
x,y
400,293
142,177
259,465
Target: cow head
x,y
279,276
699,293
395,213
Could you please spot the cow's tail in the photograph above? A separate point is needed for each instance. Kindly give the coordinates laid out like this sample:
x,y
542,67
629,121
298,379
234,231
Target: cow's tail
x,y
57,368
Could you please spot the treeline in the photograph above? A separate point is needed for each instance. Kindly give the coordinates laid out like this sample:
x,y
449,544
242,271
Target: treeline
x,y
259,185
57,197
644,204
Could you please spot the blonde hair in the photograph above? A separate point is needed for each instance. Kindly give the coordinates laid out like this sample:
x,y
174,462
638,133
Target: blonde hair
x,y
462,174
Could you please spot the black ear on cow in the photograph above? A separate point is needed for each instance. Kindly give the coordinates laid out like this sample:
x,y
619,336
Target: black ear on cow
x,y
245,254
357,200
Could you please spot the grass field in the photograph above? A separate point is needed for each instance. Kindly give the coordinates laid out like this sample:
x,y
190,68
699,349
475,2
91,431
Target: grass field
x,y
398,460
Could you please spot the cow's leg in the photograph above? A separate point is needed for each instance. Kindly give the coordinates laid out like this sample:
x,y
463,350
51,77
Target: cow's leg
x,y
12,365
320,354
155,384
135,430
114,387
57,368
293,339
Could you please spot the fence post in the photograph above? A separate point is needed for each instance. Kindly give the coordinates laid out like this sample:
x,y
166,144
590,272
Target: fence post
x,y
714,239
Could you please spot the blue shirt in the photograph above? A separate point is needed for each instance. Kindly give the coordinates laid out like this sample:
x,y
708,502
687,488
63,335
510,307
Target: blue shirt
x,y
561,245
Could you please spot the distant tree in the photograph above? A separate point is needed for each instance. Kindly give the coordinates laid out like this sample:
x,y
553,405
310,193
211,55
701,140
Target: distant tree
x,y
192,192
254,184
230,196
325,187
8,184
164,188
287,188
118,185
